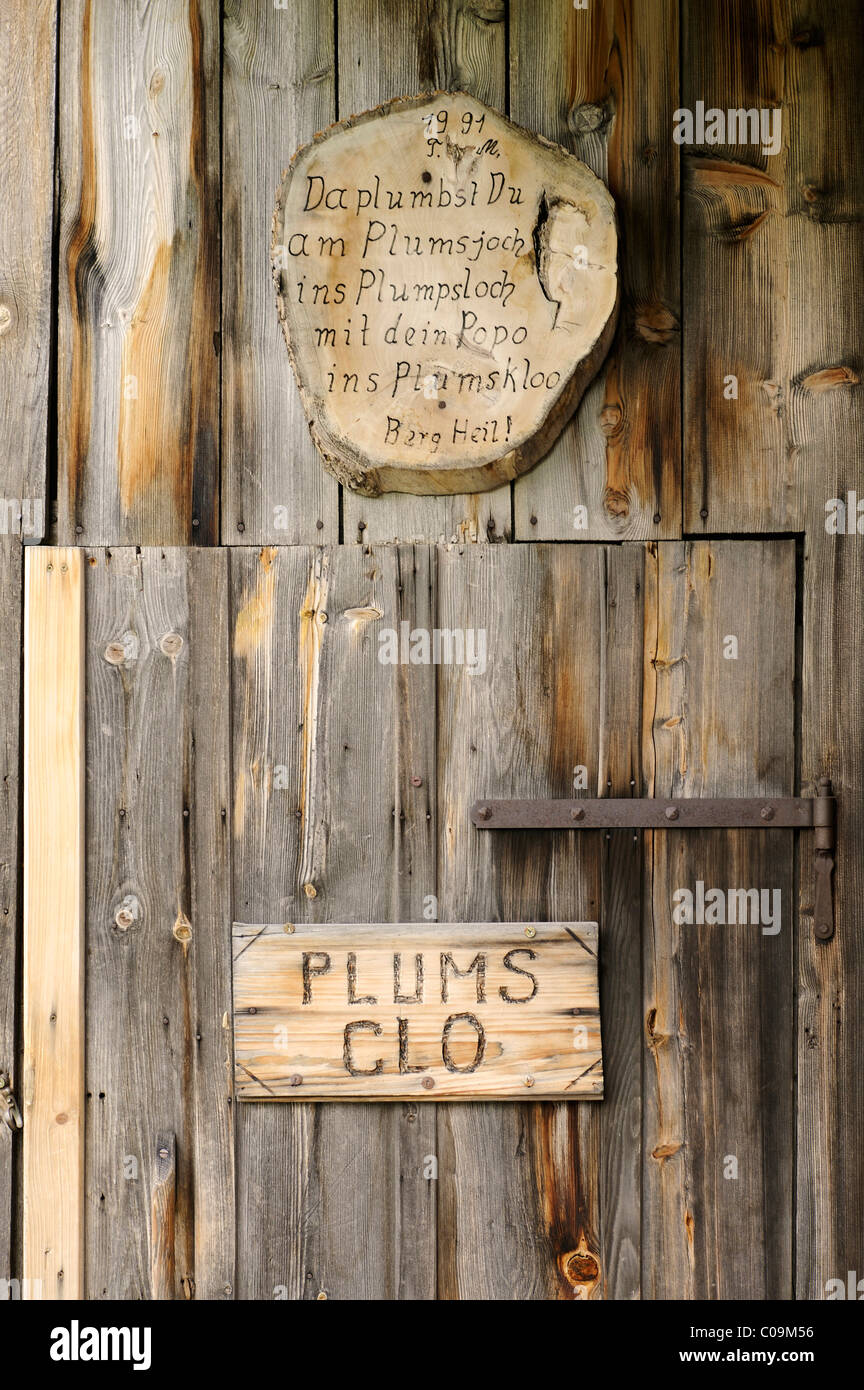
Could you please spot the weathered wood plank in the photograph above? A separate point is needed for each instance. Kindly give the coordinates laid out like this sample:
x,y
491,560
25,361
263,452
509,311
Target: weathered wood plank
x,y
53,984
278,89
526,1225
11,744
158,917
740,269
718,1105
826,418
620,774
138,314
335,819
603,81
391,48
27,85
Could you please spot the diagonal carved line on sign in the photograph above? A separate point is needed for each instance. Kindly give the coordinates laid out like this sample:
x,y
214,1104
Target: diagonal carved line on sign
x,y
258,1081
583,1073
576,937
252,942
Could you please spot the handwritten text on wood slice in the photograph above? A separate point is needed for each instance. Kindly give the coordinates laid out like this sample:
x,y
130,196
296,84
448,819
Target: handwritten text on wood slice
x,y
447,284
426,1012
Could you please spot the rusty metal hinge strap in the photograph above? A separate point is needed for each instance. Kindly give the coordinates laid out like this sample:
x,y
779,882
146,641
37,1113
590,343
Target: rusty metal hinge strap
x,y
688,813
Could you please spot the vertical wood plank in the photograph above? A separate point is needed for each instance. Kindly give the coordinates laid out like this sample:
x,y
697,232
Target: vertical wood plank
x,y
158,921
11,743
742,269
138,314
826,419
53,1069
603,82
27,83
334,820
519,1213
279,88
718,1112
393,48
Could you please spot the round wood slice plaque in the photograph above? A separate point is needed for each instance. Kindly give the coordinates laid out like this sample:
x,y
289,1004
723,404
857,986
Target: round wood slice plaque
x,y
447,284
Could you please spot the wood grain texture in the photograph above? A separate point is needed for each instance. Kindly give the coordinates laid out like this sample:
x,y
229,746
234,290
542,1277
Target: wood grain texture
x,y
741,272
278,89
603,82
443,1011
397,48
718,999
138,314
334,819
158,918
506,326
53,985
521,729
11,646
27,86
826,58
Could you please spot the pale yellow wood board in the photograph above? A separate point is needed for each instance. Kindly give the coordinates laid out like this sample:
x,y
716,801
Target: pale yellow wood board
x,y
53,1073
540,1029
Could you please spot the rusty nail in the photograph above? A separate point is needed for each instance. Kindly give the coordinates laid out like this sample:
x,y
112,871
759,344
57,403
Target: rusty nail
x,y
529,1080
416,781
427,1083
296,1079
671,812
530,931
252,1009
49,568
288,927
577,813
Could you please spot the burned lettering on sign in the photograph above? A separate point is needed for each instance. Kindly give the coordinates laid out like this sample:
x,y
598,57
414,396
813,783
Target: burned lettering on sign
x,y
327,1012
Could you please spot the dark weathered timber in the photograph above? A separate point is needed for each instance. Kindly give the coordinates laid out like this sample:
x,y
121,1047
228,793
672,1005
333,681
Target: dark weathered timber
x,y
10,841
718,999
138,313
603,82
158,916
392,48
334,820
741,266
27,84
520,728
825,58
278,90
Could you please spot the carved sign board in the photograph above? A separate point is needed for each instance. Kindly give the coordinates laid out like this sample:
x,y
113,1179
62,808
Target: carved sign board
x,y
501,1011
447,284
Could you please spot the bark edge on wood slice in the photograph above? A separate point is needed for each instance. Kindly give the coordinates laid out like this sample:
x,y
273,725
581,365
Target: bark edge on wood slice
x,y
351,193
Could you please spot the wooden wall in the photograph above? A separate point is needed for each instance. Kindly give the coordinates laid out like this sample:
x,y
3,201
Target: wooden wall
x,y
147,406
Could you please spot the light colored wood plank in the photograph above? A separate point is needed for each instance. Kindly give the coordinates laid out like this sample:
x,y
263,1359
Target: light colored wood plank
x,y
27,86
398,48
483,1012
138,313
718,1104
158,917
603,81
278,89
11,746
334,818
53,1068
